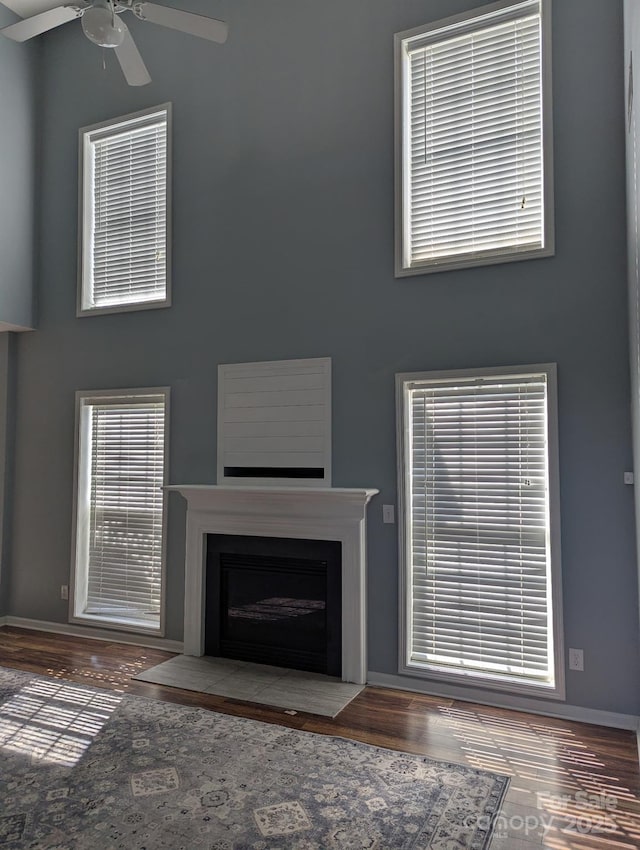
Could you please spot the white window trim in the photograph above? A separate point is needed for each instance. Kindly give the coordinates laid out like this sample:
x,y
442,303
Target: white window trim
x,y
548,250
86,619
463,677
84,206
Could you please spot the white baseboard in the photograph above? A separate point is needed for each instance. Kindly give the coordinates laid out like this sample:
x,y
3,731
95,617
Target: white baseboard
x,y
515,703
92,633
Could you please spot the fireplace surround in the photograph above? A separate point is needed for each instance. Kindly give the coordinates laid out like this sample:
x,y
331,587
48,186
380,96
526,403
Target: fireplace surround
x,y
307,513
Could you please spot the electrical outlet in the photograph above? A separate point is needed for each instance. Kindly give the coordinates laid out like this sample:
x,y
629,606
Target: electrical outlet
x,y
388,513
64,591
628,478
576,659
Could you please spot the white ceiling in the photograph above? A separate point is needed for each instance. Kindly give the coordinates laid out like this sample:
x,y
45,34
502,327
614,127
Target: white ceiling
x,y
27,8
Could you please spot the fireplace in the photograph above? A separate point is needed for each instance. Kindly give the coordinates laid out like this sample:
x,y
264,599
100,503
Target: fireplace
x,y
275,601
324,513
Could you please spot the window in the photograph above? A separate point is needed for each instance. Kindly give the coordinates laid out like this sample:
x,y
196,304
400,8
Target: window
x,y
119,508
480,548
124,220
473,123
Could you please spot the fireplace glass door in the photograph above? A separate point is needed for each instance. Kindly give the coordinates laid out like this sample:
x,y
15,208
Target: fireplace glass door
x,y
275,601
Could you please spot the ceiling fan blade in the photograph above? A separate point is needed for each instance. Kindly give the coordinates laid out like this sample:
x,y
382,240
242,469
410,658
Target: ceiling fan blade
x,y
45,21
187,22
133,68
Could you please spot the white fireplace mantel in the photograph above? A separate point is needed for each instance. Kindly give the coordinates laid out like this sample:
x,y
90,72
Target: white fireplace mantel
x,y
327,513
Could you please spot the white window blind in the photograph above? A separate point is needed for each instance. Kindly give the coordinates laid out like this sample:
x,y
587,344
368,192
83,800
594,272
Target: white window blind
x,y
125,215
478,527
120,523
472,149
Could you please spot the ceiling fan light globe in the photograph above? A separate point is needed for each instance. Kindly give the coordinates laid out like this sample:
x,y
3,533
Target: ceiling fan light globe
x,y
99,27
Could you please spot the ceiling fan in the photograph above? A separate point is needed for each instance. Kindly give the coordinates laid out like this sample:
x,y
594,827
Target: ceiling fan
x,y
102,25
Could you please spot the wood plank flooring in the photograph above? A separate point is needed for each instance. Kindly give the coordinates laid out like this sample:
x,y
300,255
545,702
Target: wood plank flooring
x,y
573,786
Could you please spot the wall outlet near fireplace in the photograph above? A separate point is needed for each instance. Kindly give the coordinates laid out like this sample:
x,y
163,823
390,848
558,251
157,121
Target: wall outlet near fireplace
x,y
576,659
388,513
64,591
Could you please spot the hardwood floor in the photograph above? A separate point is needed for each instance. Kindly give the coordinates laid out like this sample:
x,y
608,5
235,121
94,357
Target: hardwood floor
x,y
573,786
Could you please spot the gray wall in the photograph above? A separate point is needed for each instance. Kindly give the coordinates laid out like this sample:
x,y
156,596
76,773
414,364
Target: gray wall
x,y
631,54
283,226
18,92
7,455
5,339
18,166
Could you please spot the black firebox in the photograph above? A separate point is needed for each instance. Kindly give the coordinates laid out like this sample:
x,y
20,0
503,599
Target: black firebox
x,y
275,601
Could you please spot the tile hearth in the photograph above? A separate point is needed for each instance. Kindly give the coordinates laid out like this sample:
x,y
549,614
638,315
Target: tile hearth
x,y
295,690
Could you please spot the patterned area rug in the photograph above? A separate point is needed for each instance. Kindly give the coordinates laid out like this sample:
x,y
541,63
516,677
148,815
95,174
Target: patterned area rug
x,y
85,769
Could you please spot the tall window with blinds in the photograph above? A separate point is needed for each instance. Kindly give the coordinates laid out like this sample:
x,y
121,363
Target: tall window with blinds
x,y
120,517
474,153
124,217
481,563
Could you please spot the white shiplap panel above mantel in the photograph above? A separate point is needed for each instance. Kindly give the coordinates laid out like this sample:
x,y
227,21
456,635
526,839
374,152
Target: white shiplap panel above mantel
x,y
274,423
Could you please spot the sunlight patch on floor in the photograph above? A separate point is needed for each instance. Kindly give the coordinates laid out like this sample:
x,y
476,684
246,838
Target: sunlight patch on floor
x,y
52,722
557,778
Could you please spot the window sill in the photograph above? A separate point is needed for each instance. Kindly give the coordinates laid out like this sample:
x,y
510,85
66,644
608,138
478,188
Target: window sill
x,y
481,680
120,625
82,312
451,264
